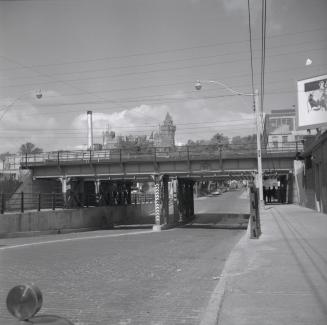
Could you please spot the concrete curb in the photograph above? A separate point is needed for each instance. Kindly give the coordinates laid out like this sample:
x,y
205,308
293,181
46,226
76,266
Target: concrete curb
x,y
211,314
36,233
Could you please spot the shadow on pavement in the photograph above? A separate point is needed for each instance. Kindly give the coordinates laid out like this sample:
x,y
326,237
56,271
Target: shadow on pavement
x,y
220,221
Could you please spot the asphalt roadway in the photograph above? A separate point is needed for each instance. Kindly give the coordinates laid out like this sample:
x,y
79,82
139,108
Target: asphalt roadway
x,y
125,276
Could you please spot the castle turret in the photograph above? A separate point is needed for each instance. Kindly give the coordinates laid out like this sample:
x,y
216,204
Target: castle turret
x,y
166,135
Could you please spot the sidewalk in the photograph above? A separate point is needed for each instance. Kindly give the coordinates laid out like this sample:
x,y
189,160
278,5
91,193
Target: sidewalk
x,y
280,278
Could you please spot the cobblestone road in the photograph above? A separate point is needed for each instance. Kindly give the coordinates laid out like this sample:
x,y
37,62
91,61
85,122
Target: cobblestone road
x,y
112,277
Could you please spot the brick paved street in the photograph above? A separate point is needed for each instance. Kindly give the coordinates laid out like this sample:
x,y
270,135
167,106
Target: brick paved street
x,y
141,278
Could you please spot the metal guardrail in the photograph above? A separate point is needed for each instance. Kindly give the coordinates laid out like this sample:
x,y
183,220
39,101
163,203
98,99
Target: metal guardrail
x,y
150,154
20,202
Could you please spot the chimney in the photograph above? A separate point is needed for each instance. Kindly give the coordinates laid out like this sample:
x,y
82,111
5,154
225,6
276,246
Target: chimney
x,y
89,131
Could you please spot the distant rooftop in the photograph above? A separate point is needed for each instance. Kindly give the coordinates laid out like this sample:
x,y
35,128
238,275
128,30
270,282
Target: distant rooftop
x,y
289,111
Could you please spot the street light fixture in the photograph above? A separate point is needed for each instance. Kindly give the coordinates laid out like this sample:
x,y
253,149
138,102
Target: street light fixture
x,y
198,86
6,108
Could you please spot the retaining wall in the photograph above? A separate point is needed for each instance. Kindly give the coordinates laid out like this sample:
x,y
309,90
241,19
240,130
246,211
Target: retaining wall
x,y
62,221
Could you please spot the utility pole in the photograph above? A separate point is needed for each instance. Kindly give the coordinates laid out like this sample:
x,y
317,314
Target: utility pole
x,y
259,153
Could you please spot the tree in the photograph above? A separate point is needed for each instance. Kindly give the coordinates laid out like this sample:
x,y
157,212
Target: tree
x,y
29,148
219,138
246,142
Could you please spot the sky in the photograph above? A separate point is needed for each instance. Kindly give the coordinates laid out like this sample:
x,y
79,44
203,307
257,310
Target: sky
x,y
132,61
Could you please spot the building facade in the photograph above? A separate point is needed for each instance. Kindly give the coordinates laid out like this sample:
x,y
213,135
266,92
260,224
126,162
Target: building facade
x,y
280,129
109,139
164,137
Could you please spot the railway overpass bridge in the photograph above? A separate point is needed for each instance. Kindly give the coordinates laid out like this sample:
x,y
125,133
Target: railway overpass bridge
x,y
109,174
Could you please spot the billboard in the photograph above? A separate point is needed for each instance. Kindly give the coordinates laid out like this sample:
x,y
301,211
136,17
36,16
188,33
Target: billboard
x,y
312,102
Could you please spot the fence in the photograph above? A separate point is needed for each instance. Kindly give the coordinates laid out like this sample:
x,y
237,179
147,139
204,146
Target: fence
x,y
19,202
149,154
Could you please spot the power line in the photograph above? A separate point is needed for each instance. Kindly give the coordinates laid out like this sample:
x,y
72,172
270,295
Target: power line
x,y
137,101
164,51
151,71
69,136
224,122
164,62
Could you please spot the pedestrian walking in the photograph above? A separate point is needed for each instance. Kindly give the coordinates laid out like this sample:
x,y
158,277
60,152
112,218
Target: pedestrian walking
x,y
273,193
269,194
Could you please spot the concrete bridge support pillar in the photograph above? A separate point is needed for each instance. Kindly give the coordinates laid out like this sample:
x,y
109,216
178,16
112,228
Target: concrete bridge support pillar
x,y
189,203
196,187
104,193
119,193
181,198
64,188
75,192
161,201
175,201
190,199
129,193
184,202
165,199
97,185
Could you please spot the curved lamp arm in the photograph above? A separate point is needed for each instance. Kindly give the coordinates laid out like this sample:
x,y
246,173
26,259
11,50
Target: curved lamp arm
x,y
6,108
198,86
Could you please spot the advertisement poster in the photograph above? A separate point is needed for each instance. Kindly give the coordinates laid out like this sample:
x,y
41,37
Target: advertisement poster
x,y
312,103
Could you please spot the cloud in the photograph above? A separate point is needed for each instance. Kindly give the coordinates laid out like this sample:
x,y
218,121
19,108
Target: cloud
x,y
235,5
22,123
195,119
127,121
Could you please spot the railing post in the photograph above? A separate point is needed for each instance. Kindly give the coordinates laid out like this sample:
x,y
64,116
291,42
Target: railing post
x,y
120,156
90,156
39,202
22,202
26,159
2,211
58,158
53,201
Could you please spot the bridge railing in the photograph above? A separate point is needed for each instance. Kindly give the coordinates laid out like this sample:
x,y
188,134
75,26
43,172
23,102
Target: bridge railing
x,y
189,152
20,202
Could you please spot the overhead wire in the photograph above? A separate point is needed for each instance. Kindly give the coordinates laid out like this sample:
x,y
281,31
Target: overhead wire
x,y
120,67
120,75
144,53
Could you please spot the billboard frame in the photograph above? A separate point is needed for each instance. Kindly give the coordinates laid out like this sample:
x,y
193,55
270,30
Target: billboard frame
x,y
300,106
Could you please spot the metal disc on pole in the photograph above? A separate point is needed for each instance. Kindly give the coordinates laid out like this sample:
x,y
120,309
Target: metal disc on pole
x,y
24,301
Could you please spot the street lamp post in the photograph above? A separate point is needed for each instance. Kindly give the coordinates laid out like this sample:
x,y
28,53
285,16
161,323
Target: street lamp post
x,y
198,86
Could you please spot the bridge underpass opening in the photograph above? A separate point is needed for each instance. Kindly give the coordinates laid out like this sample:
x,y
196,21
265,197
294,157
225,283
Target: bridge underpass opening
x,y
169,199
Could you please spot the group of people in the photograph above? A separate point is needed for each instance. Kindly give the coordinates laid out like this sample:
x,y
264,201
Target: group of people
x,y
273,194
269,193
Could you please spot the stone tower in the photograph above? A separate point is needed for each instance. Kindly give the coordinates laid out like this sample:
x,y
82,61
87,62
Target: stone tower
x,y
109,139
166,135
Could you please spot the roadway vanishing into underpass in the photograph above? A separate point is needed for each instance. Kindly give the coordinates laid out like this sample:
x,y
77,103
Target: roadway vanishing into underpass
x,y
125,276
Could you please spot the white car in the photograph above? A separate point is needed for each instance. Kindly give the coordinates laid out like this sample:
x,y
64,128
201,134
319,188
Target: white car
x,y
215,193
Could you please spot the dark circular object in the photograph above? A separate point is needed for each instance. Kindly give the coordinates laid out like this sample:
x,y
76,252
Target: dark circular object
x,y
24,301
198,85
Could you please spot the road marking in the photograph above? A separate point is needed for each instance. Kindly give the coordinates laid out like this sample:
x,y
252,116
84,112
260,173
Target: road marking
x,y
77,238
